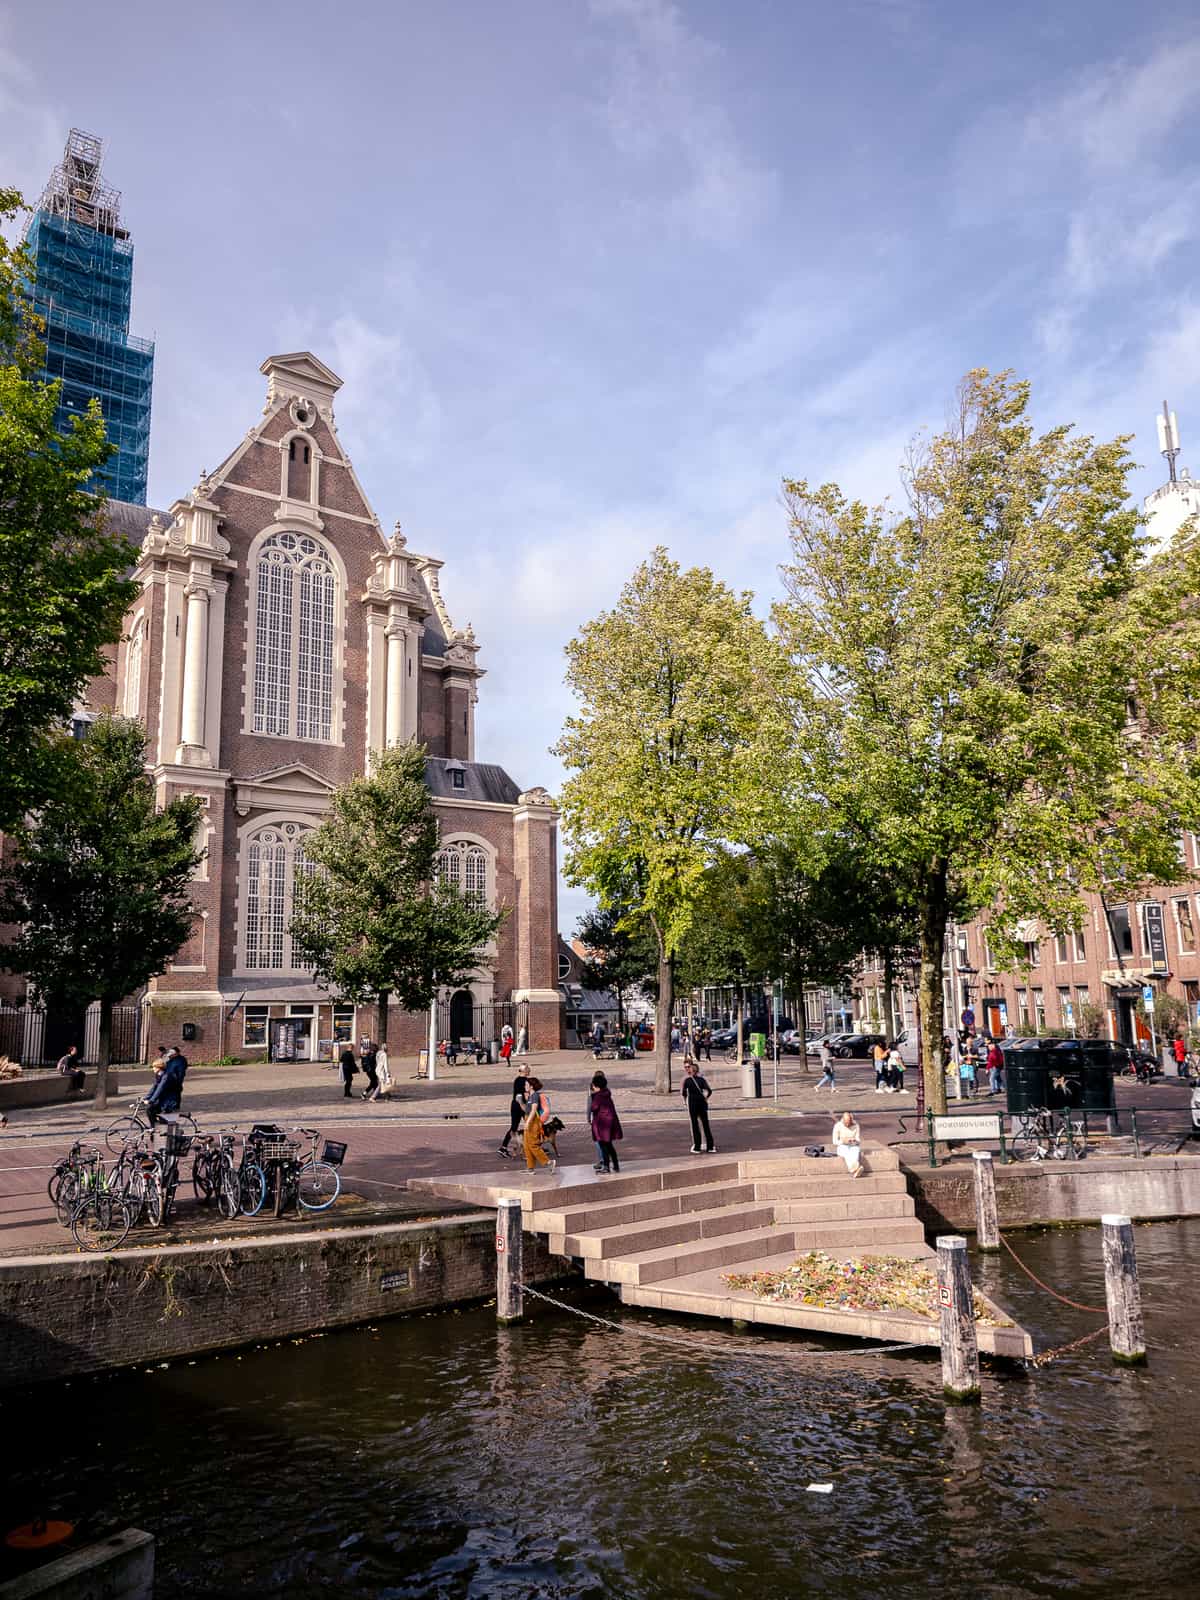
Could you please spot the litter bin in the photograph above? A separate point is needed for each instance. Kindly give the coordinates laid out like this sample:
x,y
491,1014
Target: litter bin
x,y
1027,1080
494,1051
752,1067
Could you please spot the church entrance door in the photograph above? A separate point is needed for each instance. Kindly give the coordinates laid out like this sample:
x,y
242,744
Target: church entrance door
x,y
461,1015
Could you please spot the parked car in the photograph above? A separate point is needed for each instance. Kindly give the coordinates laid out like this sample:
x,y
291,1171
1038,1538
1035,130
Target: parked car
x,y
852,1045
723,1037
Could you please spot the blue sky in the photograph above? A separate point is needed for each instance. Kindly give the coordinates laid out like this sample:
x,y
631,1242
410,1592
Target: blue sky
x,y
598,273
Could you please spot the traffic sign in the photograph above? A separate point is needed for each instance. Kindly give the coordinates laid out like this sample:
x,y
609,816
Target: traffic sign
x,y
1148,996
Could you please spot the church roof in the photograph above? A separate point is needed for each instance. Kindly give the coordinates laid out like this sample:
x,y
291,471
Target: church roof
x,y
480,781
131,521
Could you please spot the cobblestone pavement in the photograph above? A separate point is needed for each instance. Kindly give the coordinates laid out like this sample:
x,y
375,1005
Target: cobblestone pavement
x,y
454,1125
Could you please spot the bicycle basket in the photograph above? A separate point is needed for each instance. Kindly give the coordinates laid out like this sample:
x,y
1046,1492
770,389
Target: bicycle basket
x,y
178,1144
334,1152
278,1150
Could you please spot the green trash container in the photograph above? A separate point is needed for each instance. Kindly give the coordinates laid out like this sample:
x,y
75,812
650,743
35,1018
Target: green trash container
x,y
1027,1080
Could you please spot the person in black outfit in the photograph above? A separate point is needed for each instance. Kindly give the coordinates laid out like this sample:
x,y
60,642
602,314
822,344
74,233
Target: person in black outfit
x,y
696,1094
516,1110
348,1067
367,1061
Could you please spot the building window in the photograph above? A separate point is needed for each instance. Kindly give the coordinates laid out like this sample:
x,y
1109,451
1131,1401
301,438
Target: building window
x,y
1079,940
564,968
132,702
458,778
1039,1011
1191,995
1064,1000
465,867
1060,947
343,1024
1023,1010
1083,997
1033,952
1185,927
1120,933
274,857
296,612
254,1026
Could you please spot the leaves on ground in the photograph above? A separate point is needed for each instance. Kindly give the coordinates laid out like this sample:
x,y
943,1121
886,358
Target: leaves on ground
x,y
867,1283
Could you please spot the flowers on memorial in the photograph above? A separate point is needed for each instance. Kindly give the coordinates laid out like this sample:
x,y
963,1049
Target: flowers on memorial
x,y
867,1283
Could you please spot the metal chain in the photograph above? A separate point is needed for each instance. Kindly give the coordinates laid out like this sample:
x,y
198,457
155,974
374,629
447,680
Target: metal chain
x,y
683,1341
1099,1311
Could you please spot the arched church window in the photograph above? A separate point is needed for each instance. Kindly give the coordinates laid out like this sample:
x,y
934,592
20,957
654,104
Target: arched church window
x,y
296,618
132,703
299,469
275,859
465,866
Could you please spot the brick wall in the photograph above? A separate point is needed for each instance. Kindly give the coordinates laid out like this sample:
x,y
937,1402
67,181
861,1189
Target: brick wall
x,y
61,1316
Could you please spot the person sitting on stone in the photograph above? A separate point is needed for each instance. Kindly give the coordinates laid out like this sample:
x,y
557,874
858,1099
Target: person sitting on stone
x,y
847,1143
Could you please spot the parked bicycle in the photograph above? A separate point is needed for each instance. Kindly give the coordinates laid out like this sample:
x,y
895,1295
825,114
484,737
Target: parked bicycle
x,y
229,1173
1040,1134
86,1200
309,1182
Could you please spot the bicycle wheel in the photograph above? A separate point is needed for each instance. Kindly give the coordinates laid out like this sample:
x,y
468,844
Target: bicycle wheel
x,y
228,1190
100,1222
202,1176
317,1185
152,1198
68,1196
56,1178
253,1183
118,1133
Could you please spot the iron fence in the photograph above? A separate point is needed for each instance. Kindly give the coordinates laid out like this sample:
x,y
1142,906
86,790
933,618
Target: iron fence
x,y
460,1018
37,1037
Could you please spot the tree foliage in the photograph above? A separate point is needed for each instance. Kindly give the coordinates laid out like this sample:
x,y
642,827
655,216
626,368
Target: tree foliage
x,y
621,953
670,752
62,591
373,919
98,883
962,671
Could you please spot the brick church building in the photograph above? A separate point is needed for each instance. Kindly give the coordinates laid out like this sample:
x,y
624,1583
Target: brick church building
x,y
280,637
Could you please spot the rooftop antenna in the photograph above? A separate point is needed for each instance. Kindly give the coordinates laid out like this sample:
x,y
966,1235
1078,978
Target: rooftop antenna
x,y
1168,438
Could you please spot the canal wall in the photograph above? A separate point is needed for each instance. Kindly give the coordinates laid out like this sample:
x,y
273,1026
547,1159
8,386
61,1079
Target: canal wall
x,y
1031,1194
66,1316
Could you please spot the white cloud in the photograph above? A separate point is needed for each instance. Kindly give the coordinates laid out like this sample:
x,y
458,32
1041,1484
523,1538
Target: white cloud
x,y
661,108
388,406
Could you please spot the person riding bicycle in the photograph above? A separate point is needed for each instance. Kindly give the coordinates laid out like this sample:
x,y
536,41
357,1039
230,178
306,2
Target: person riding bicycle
x,y
167,1093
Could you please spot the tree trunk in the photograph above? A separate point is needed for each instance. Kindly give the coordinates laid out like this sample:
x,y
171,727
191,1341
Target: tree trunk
x,y
889,995
741,1031
384,995
932,914
104,1054
662,1029
620,1009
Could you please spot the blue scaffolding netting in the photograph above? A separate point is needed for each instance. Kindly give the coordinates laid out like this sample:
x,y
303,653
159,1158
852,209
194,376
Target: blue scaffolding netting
x,y
83,284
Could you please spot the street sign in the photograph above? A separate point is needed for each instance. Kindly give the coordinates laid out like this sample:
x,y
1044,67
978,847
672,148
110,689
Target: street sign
x,y
966,1127
1068,1014
1148,996
1156,936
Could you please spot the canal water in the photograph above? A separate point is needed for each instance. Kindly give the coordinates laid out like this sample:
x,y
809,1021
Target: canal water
x,y
441,1456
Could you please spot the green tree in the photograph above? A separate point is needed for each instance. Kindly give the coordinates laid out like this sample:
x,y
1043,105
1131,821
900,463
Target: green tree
x,y
670,754
372,918
98,883
621,955
62,591
962,672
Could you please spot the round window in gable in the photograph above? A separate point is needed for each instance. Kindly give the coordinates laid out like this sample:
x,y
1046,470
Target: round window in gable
x,y
303,413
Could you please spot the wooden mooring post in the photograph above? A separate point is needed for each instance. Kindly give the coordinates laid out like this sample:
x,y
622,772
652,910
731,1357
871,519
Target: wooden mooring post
x,y
510,1297
960,1351
1122,1292
987,1220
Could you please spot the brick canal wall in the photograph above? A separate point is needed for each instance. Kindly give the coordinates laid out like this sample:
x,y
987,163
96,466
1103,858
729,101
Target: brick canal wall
x,y
64,1316
1032,1194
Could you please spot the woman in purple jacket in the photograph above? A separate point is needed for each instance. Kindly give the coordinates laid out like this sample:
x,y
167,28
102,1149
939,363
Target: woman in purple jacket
x,y
606,1125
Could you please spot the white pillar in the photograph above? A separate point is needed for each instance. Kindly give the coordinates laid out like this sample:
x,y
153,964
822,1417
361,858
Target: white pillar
x,y
195,666
412,681
395,684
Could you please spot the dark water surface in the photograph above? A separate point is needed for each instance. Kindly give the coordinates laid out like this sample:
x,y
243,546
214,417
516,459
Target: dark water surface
x,y
444,1457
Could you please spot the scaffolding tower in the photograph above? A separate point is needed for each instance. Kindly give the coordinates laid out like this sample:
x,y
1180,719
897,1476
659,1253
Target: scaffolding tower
x,y
83,287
